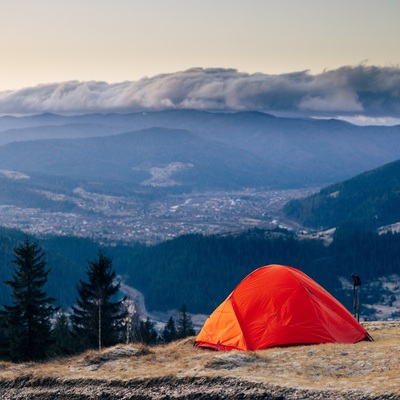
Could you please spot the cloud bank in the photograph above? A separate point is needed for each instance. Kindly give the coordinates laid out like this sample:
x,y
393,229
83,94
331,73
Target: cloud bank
x,y
360,92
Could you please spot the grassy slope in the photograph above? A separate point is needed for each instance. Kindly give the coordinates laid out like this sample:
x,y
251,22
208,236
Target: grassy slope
x,y
366,370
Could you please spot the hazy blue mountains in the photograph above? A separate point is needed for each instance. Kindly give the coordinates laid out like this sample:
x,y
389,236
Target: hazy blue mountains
x,y
189,150
151,157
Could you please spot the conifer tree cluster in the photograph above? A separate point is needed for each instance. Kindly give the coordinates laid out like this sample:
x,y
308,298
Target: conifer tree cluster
x,y
27,331
147,334
33,328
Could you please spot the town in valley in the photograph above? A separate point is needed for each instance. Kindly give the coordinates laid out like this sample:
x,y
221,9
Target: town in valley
x,y
119,219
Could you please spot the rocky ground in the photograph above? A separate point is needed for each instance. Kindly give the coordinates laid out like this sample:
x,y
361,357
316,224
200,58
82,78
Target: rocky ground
x,y
366,370
168,388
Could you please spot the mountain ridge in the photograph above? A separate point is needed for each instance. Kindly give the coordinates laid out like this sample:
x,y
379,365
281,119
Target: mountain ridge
x,y
127,157
289,152
370,200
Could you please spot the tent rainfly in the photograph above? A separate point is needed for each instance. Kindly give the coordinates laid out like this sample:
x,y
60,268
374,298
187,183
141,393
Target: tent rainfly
x,y
276,305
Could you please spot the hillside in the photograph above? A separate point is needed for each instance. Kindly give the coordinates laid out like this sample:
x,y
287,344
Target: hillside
x,y
224,150
118,174
132,158
370,200
200,271
362,371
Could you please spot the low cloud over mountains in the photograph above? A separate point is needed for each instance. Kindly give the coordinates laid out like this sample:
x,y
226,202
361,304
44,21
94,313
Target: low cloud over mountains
x,y
363,93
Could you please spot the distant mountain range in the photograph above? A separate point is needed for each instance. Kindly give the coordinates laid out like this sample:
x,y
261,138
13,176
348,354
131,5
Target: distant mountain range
x,y
134,158
369,200
189,150
44,157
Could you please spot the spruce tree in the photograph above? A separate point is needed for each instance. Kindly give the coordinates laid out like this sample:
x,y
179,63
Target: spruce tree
x,y
63,342
169,333
97,318
27,320
146,333
185,325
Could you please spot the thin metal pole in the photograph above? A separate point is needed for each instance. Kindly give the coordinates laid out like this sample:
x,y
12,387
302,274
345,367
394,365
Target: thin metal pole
x,y
100,324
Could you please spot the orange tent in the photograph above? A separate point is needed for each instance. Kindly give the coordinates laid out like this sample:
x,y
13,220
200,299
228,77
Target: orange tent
x,y
277,305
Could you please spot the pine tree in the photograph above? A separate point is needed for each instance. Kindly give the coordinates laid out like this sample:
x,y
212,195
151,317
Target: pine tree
x,y
97,319
63,341
185,325
169,333
27,321
146,333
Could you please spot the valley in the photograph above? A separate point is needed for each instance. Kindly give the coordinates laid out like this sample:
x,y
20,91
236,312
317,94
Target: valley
x,y
172,190
123,219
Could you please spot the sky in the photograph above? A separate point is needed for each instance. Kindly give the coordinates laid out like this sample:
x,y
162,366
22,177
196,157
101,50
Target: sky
x,y
49,42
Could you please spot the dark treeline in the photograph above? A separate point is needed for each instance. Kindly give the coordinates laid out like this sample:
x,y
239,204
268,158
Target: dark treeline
x,y
200,271
32,328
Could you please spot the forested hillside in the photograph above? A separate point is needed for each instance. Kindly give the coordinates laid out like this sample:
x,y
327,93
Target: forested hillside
x,y
200,271
370,200
253,149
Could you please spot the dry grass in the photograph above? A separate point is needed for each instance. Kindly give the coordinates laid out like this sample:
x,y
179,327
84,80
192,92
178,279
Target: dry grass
x,y
369,368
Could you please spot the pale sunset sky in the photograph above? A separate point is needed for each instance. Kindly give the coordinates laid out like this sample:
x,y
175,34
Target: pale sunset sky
x,y
60,40
54,41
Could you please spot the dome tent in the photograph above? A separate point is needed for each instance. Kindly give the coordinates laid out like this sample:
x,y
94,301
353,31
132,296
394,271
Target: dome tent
x,y
276,305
